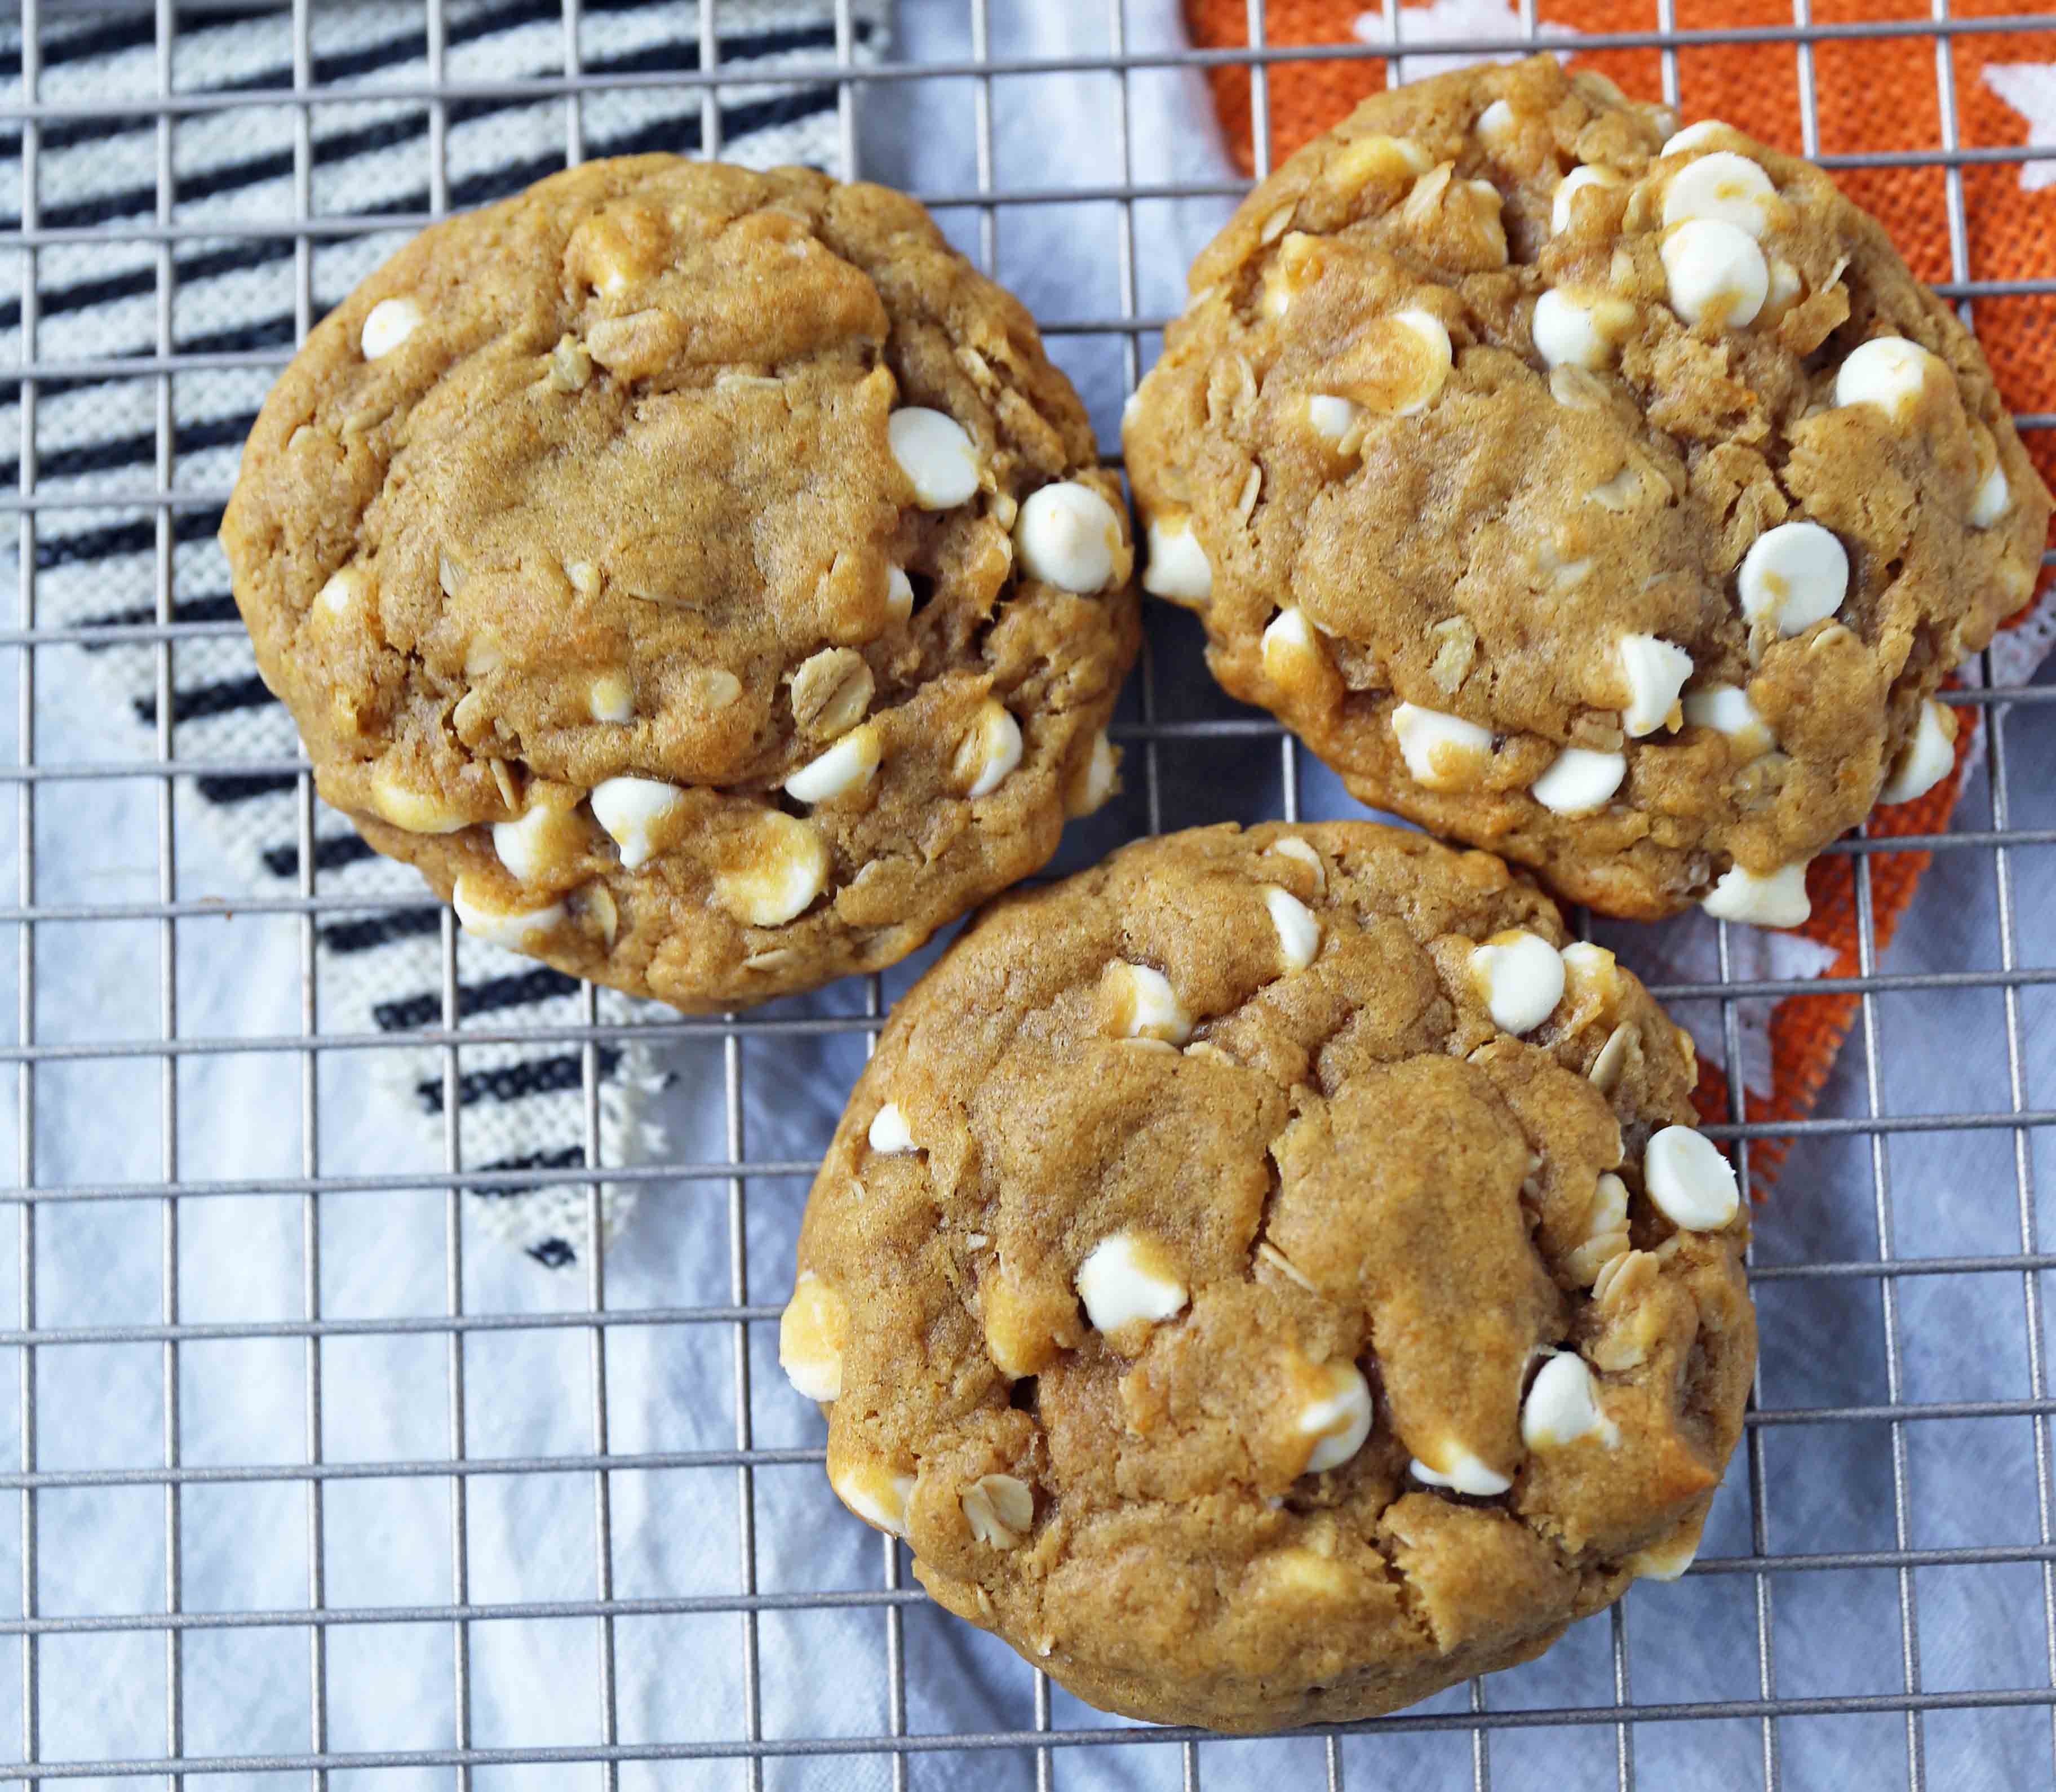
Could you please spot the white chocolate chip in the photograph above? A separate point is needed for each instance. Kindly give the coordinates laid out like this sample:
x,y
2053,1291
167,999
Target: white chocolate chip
x,y
1889,372
1339,1417
1125,1279
1723,186
888,1135
1296,263
1298,932
1566,332
1442,752
990,751
1563,1405
1692,1184
1291,648
936,454
1438,356
1785,286
1331,418
513,927
1580,780
611,698
584,577
1716,273
1568,190
1727,708
632,810
387,325
850,764
1793,576
875,1494
812,1332
1655,671
1292,847
1463,1473
1928,757
1692,136
1993,500
1178,568
1587,961
344,593
529,847
899,593
1094,784
1000,1510
789,870
1068,536
1666,1561
1144,1005
1496,120
418,811
1376,158
1520,976
1778,899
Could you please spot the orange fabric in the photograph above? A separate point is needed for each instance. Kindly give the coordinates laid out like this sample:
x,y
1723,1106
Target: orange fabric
x,y
1874,94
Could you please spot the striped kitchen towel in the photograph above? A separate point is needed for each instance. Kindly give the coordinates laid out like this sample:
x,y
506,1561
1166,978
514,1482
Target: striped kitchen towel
x,y
237,299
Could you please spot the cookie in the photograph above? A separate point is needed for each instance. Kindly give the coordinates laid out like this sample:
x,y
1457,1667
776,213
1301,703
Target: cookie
x,y
702,576
1273,1275
1613,498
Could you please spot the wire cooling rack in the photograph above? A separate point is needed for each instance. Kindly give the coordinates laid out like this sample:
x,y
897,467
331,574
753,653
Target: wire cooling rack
x,y
1841,1581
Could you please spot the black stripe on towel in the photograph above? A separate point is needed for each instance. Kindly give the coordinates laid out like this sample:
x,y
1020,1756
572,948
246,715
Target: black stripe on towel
x,y
380,929
220,608
531,1077
242,787
224,697
330,854
539,985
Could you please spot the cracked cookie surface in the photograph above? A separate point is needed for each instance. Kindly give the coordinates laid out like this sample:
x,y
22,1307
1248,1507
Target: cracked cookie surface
x,y
1607,495
702,576
1272,1275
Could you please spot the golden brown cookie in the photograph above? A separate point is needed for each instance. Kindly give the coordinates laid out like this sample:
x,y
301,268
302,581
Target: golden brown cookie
x,y
1273,1275
1613,498
700,576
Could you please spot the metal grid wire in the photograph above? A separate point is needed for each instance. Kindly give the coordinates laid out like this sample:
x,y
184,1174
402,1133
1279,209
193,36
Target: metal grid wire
x,y
2021,725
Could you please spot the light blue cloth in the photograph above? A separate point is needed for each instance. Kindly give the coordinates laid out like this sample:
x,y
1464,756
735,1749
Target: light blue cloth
x,y
1830,1486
